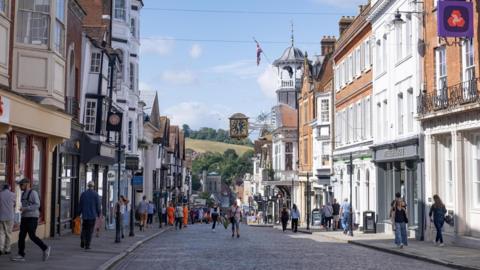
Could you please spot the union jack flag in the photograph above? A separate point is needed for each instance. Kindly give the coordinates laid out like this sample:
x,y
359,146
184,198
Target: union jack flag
x,y
259,52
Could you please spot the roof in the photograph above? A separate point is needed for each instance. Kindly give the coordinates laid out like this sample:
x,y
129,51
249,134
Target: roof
x,y
155,114
174,137
289,56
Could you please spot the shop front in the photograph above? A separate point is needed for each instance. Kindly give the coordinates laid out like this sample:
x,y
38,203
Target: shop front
x,y
26,147
400,168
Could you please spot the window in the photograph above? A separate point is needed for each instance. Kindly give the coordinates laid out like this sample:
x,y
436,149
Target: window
x,y
288,156
476,173
468,63
120,12
325,153
384,53
408,35
399,45
324,110
357,62
337,124
350,124
401,113
132,76
368,54
133,27
385,119
368,118
378,57
130,135
441,70
362,56
351,68
410,110
90,115
305,151
354,123
449,188
95,62
379,120
359,115
59,38
33,20
3,6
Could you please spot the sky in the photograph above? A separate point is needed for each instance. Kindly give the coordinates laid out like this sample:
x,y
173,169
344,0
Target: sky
x,y
201,83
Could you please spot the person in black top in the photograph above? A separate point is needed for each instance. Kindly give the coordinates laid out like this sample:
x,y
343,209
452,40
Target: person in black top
x,y
399,217
438,212
285,217
336,214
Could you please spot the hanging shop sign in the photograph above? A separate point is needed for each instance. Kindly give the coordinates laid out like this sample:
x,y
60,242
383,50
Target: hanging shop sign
x,y
455,19
114,122
4,110
238,126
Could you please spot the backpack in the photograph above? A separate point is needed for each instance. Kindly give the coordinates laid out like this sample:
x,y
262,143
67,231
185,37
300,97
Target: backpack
x,y
28,200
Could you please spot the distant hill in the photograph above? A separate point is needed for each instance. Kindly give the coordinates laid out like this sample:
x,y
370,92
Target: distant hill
x,y
203,146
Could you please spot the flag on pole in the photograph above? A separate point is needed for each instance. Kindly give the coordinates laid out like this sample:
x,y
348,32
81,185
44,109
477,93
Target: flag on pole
x,y
259,52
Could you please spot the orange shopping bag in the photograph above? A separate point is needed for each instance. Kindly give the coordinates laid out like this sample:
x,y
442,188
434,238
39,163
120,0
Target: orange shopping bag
x,y
77,224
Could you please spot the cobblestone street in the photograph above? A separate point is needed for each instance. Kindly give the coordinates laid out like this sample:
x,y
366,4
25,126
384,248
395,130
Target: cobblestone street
x,y
258,248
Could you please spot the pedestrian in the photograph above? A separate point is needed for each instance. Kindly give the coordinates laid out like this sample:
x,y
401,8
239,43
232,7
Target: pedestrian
x,y
171,214
89,210
285,216
328,213
235,218
142,210
164,215
150,213
30,210
178,216
200,215
185,215
295,217
437,216
121,210
336,214
215,214
7,213
192,216
399,215
345,213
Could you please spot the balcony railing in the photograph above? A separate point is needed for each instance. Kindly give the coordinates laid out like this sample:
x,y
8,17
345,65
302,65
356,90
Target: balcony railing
x,y
286,83
449,97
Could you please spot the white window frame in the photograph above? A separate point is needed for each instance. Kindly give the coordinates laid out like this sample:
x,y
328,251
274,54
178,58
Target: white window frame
x,y
385,119
59,33
130,135
408,36
357,62
358,120
324,111
4,7
132,76
90,117
36,22
449,181
368,118
368,55
379,120
378,58
441,69
385,53
399,45
362,57
468,67
95,62
410,109
401,113
133,27
120,10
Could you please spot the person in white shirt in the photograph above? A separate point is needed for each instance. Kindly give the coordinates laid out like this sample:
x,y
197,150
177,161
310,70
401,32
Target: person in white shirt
x,y
295,217
235,217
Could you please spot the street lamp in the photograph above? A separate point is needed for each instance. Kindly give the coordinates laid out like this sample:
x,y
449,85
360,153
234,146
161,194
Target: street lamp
x,y
308,201
350,171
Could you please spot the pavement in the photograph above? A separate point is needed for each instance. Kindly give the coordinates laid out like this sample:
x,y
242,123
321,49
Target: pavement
x,y
452,256
197,247
67,254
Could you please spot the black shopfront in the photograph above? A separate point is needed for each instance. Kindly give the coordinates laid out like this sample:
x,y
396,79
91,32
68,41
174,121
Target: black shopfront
x,y
400,168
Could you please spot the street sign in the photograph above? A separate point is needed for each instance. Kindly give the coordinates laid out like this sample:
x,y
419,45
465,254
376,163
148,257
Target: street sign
x,y
137,182
131,163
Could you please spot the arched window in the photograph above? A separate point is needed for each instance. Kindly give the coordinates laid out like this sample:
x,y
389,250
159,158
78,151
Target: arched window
x,y
367,187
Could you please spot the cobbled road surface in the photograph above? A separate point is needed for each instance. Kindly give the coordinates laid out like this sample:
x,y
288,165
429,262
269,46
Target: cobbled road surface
x,y
197,247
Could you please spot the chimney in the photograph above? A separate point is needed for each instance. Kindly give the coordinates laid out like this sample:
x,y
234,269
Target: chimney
x,y
328,44
344,23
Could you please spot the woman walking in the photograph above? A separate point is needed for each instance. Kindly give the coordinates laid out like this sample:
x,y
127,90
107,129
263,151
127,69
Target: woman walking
x,y
215,214
170,214
285,217
399,216
328,212
185,215
295,217
235,216
438,212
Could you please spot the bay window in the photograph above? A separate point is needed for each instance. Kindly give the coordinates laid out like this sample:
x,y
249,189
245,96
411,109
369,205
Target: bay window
x,y
3,6
120,10
324,111
90,115
34,18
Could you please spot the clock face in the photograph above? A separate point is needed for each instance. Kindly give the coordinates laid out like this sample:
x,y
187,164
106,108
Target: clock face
x,y
114,119
239,128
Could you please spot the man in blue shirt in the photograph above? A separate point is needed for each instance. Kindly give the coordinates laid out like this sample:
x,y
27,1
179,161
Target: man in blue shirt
x,y
90,211
345,214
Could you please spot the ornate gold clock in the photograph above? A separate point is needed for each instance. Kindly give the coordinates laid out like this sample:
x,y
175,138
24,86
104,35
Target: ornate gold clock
x,y
238,126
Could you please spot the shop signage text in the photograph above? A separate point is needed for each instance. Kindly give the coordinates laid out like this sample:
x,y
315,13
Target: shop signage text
x,y
455,19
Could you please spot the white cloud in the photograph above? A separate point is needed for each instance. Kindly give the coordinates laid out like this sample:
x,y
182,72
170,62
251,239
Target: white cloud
x,y
197,115
243,69
341,3
161,45
268,82
196,51
180,77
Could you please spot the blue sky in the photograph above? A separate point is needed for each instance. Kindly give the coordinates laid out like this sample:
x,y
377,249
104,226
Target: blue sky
x,y
202,83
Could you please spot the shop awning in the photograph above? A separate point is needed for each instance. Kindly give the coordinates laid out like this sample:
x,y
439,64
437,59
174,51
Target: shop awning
x,y
97,152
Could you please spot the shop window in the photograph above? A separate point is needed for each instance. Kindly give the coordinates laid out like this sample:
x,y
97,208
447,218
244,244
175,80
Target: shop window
x,y
37,165
476,173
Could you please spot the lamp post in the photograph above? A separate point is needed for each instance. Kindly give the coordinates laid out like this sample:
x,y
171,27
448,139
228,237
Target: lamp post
x,y
308,201
118,220
132,212
350,171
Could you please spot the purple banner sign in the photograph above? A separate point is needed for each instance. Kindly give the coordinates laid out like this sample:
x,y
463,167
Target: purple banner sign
x,y
455,19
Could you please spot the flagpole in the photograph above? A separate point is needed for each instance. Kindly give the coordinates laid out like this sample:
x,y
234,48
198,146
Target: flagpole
x,y
266,57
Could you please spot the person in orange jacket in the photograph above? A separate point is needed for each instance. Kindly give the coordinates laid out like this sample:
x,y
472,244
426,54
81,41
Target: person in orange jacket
x,y
170,214
185,215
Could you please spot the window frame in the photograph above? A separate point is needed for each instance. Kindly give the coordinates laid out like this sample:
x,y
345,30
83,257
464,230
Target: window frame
x,y
476,172
449,181
441,78
90,120
95,62
119,11
45,38
59,28
5,5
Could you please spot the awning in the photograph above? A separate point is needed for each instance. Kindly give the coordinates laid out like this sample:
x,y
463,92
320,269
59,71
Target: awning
x,y
97,152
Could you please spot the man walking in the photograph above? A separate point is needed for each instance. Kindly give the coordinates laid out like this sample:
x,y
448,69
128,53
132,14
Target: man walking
x,y
345,214
143,211
151,212
178,216
336,214
30,210
7,210
90,211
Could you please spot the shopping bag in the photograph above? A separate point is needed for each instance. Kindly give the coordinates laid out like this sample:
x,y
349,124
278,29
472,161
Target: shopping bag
x,y
77,224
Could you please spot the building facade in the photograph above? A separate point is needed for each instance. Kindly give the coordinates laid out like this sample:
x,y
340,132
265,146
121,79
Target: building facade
x,y
397,80
449,111
353,170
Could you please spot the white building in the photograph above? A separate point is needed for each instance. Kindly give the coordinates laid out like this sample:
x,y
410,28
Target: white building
x,y
397,80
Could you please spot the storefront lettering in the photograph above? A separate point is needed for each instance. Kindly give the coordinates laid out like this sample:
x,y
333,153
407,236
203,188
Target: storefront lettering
x,y
398,152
